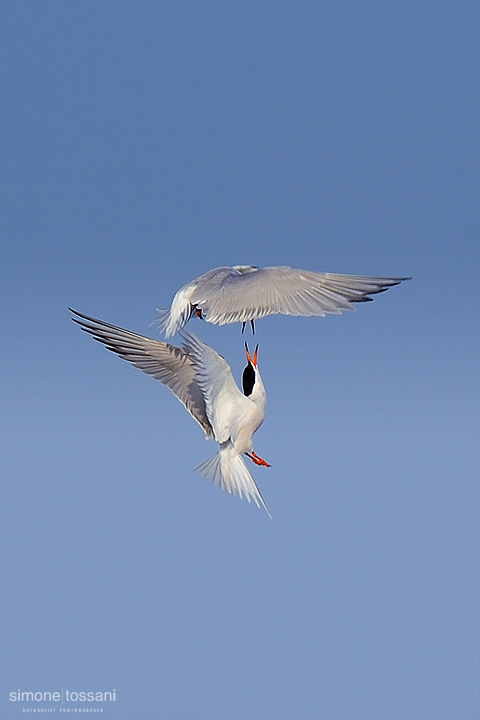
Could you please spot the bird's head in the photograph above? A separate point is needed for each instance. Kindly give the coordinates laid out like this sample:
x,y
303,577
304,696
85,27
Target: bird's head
x,y
251,377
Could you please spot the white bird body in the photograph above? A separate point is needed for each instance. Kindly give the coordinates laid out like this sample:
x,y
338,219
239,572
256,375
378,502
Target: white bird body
x,y
245,293
203,382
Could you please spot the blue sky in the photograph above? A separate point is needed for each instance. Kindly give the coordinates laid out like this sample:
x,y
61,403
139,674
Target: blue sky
x,y
144,144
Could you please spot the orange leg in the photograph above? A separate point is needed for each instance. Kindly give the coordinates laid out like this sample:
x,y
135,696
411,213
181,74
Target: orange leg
x,y
257,460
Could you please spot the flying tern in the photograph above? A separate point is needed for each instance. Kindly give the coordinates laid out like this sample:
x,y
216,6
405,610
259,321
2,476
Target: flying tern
x,y
203,382
244,293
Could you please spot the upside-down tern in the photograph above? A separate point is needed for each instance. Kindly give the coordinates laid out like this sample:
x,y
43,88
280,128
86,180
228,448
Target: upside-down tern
x,y
203,382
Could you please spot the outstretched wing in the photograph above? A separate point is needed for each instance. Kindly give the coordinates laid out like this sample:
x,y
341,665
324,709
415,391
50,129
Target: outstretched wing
x,y
244,293
172,365
223,398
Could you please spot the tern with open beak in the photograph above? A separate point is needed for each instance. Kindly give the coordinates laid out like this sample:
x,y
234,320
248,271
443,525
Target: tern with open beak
x,y
245,293
203,382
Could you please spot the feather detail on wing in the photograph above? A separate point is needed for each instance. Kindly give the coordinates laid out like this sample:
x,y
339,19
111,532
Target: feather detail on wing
x,y
230,295
167,363
215,379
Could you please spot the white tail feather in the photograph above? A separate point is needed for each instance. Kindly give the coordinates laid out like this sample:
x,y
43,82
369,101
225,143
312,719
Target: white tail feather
x,y
171,324
163,318
228,470
173,320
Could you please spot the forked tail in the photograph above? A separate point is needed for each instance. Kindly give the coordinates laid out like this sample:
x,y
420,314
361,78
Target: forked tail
x,y
228,470
171,324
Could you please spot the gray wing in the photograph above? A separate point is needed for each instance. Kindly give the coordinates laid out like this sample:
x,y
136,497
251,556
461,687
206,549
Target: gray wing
x,y
245,293
223,398
171,365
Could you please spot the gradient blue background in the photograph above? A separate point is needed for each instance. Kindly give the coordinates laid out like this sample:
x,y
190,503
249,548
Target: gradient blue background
x,y
143,144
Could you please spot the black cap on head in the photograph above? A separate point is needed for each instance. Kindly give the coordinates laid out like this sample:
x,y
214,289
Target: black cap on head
x,y
248,379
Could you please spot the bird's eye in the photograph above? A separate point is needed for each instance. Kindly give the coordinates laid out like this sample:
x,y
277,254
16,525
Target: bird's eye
x,y
248,379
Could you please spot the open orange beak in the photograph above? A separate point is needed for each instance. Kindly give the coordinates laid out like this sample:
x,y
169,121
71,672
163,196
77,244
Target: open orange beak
x,y
249,358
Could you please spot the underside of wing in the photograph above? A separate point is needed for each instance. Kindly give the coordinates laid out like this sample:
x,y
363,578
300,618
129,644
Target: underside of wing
x,y
243,296
170,364
214,377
